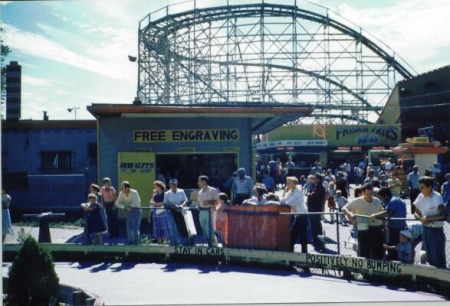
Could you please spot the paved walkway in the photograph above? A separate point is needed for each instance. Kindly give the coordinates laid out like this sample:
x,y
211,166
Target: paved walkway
x,y
169,284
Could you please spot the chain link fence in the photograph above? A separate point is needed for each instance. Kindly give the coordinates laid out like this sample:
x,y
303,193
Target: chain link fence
x,y
268,227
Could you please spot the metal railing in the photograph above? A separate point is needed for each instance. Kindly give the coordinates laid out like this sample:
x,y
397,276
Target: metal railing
x,y
327,233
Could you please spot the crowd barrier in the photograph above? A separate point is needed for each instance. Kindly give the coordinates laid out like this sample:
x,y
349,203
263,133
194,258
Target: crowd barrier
x,y
256,234
266,227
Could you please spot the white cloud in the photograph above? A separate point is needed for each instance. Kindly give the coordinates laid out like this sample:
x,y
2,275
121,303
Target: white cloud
x,y
39,46
26,79
414,29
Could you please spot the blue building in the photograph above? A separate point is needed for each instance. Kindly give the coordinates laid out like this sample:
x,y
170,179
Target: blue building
x,y
48,165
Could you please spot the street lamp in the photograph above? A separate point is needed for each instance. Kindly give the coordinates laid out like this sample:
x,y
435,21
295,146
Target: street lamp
x,y
137,99
74,109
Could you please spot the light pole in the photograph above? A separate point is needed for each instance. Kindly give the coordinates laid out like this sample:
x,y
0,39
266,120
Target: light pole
x,y
137,99
74,109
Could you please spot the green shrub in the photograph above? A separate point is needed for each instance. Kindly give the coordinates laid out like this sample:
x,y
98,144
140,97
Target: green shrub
x,y
32,277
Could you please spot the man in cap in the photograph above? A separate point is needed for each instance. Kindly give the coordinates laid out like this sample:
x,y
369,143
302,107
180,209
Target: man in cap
x,y
242,187
174,200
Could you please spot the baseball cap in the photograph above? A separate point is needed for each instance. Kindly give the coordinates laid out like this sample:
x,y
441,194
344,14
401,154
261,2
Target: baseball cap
x,y
241,171
406,233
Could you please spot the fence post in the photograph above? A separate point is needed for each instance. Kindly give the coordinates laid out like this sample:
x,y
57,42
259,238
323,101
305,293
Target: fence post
x,y
337,232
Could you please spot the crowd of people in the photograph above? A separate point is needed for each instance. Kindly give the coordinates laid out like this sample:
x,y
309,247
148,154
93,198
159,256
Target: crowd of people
x,y
172,215
176,219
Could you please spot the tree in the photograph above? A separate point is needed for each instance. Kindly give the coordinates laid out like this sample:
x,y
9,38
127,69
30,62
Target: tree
x,y
5,50
32,277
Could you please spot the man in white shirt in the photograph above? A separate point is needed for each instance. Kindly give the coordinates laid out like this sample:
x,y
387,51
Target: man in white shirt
x,y
130,201
370,232
207,199
293,196
430,210
174,200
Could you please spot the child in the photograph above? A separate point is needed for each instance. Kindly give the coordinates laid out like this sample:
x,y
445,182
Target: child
x,y
341,201
309,185
95,225
404,248
331,190
109,197
222,218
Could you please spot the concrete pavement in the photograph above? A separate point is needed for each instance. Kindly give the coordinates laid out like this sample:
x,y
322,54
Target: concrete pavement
x,y
169,284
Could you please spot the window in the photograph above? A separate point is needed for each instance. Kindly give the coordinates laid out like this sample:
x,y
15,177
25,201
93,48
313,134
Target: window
x,y
187,167
56,160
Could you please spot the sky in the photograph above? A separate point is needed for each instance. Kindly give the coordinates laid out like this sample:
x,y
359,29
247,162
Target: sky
x,y
75,53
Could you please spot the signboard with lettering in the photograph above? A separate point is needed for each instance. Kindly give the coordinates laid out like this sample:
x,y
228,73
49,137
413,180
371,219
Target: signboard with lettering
x,y
291,143
339,135
354,263
139,169
185,135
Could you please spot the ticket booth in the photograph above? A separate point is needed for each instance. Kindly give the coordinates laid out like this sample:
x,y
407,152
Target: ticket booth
x,y
138,143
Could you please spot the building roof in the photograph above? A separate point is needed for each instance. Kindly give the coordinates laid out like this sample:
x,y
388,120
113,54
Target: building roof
x,y
264,118
48,124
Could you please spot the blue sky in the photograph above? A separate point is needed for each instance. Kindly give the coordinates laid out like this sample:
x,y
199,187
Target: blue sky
x,y
74,53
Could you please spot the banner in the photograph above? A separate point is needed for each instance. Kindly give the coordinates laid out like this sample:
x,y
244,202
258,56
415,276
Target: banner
x,y
139,169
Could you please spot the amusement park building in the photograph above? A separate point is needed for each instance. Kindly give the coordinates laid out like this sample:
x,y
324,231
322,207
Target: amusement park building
x,y
421,101
307,144
415,103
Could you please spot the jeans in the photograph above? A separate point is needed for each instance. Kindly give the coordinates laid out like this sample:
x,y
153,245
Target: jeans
x,y
205,223
133,220
434,245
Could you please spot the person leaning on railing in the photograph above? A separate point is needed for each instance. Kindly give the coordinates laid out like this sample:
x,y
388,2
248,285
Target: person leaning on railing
x,y
316,202
293,196
130,201
430,210
395,208
370,233
109,197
